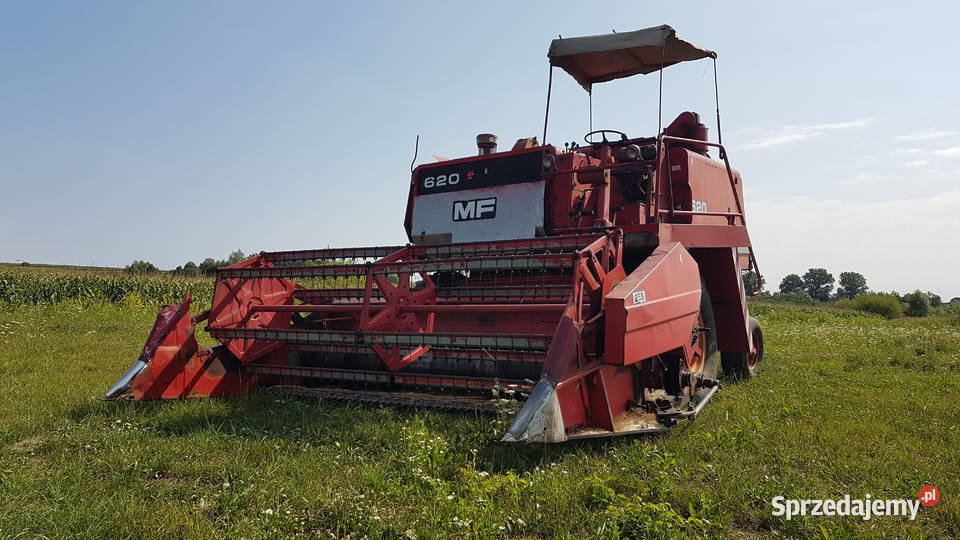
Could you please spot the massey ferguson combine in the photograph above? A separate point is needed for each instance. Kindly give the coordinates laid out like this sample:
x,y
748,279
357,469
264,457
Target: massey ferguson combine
x,y
596,287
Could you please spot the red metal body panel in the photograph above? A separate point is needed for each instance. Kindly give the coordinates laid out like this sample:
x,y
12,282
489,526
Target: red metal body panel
x,y
653,309
699,185
233,300
178,368
721,272
694,235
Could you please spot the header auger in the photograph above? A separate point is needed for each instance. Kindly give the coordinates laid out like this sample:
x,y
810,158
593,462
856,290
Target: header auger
x,y
598,286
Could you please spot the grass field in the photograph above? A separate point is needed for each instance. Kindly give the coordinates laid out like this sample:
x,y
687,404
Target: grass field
x,y
847,404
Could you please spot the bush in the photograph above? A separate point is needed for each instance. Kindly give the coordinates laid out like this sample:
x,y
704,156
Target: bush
x,y
884,305
793,298
945,310
918,304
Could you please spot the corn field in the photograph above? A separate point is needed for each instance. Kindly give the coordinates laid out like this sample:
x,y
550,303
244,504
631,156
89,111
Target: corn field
x,y
20,287
29,288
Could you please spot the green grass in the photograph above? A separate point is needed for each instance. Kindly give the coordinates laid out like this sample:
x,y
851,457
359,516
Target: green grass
x,y
847,403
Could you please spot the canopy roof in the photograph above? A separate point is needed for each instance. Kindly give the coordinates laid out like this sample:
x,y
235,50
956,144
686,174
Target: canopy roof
x,y
593,59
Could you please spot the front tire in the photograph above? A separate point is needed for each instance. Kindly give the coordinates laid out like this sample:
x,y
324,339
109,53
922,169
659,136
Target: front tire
x,y
705,340
745,365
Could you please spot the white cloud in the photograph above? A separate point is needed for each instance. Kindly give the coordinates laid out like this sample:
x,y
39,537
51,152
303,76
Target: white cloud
x,y
906,151
878,239
947,152
791,134
926,135
776,140
864,178
917,163
862,122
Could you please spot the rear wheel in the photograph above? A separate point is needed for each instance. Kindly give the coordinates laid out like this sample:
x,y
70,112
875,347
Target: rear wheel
x,y
746,365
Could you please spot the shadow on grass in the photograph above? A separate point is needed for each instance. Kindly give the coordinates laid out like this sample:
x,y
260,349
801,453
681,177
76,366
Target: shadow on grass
x,y
374,430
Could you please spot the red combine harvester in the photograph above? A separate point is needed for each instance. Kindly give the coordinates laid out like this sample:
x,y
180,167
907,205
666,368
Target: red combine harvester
x,y
599,286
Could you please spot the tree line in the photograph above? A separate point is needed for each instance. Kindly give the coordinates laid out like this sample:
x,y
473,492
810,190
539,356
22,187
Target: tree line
x,y
189,269
817,285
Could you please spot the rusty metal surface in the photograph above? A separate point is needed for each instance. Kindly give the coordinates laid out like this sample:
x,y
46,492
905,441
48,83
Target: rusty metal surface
x,y
485,263
466,249
428,308
509,342
331,254
432,380
459,354
498,294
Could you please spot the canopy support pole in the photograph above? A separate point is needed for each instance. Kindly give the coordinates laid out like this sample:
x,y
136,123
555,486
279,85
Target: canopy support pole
x,y
660,94
590,98
716,95
546,115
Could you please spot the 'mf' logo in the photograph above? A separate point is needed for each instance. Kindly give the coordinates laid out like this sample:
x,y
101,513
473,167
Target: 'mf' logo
x,y
475,209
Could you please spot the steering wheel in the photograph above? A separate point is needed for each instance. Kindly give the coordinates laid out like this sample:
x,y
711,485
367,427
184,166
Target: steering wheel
x,y
623,136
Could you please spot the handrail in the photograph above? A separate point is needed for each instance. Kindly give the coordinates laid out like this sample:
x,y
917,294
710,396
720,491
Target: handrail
x,y
698,213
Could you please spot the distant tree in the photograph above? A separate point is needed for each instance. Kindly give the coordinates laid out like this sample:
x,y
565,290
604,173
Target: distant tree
x,y
209,266
141,267
935,300
818,283
24,263
191,269
791,283
918,304
955,300
852,284
749,282
235,257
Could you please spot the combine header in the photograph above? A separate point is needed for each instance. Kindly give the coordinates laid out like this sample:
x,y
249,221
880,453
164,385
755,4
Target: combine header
x,y
597,287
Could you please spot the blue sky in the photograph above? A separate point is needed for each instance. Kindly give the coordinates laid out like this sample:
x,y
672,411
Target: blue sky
x,y
173,131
